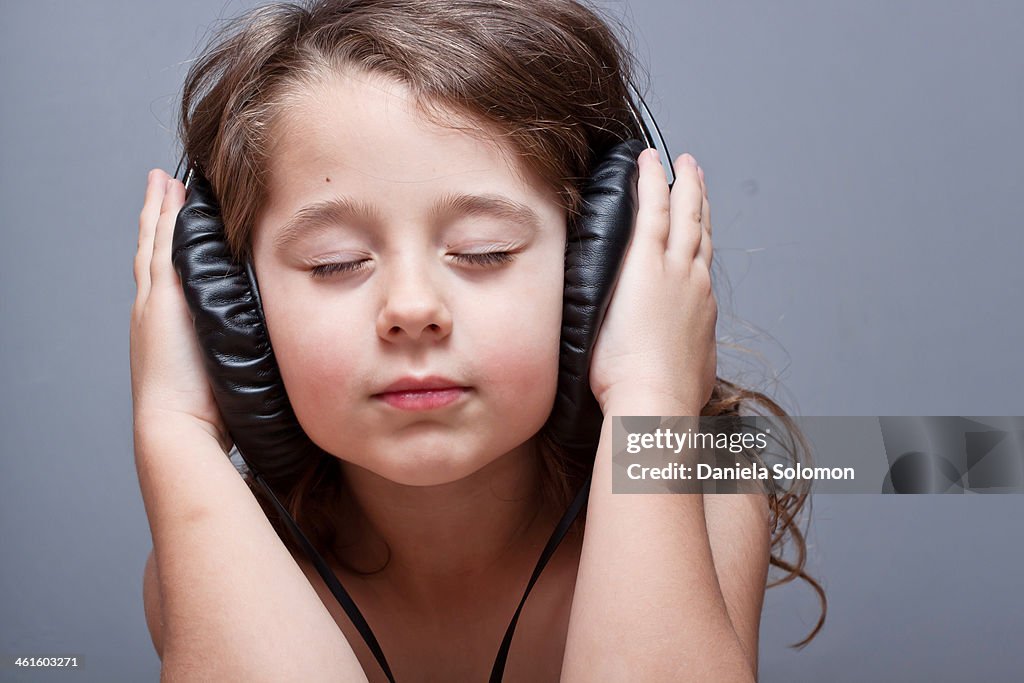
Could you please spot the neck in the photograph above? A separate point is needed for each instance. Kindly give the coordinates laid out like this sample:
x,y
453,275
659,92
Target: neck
x,y
436,543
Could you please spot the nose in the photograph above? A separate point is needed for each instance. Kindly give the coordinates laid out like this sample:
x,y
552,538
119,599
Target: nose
x,y
414,306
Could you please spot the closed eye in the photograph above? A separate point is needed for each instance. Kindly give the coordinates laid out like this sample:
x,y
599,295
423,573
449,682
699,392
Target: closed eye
x,y
328,269
486,258
483,259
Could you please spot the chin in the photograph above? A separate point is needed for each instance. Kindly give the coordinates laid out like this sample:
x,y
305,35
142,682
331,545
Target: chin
x,y
422,462
424,466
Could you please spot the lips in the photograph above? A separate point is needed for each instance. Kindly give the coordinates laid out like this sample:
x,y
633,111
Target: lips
x,y
422,393
415,384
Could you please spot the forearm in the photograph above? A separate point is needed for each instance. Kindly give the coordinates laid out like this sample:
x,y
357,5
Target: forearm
x,y
235,604
648,605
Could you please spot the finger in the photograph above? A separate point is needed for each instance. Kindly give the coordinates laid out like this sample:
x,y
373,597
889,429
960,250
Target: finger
x,y
161,268
705,251
652,216
687,198
155,183
706,212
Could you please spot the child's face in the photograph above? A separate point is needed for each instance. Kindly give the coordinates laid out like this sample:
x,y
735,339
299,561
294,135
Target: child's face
x,y
410,309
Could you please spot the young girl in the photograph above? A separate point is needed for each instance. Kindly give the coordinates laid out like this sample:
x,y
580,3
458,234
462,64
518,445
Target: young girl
x,y
402,174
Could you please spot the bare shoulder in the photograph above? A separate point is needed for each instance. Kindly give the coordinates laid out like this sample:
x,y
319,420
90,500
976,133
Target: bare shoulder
x,y
151,603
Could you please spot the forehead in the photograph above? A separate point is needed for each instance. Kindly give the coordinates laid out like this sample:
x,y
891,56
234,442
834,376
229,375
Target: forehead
x,y
356,128
357,150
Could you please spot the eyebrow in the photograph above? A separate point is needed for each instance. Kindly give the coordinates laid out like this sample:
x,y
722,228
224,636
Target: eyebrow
x,y
321,216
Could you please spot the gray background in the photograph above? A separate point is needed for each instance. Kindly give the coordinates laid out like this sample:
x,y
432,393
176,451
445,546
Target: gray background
x,y
862,162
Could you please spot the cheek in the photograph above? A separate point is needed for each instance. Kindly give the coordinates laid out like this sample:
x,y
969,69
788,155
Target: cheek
x,y
521,381
320,367
517,350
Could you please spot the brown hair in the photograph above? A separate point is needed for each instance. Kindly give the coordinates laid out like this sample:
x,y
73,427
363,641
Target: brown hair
x,y
546,77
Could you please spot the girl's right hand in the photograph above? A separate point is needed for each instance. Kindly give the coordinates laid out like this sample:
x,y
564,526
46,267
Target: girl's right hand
x,y
169,384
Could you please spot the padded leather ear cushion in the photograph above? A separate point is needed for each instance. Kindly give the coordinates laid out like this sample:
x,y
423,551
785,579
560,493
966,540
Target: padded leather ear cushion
x,y
595,250
223,297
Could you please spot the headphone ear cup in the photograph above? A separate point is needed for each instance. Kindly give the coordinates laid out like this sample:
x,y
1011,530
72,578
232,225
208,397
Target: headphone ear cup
x,y
595,250
223,297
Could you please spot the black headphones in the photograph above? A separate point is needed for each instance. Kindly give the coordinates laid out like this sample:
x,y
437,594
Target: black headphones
x,y
224,299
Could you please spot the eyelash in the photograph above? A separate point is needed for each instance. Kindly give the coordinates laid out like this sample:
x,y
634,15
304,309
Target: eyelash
x,y
484,259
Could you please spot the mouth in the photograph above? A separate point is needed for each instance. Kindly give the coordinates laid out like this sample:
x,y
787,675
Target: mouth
x,y
422,399
422,393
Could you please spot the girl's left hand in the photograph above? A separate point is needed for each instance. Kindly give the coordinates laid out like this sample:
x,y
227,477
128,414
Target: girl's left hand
x,y
656,346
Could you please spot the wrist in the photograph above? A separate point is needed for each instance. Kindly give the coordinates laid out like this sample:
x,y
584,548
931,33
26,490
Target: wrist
x,y
649,403
161,427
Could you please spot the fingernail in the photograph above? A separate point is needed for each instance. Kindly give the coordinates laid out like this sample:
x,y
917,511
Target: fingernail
x,y
691,161
170,184
700,172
